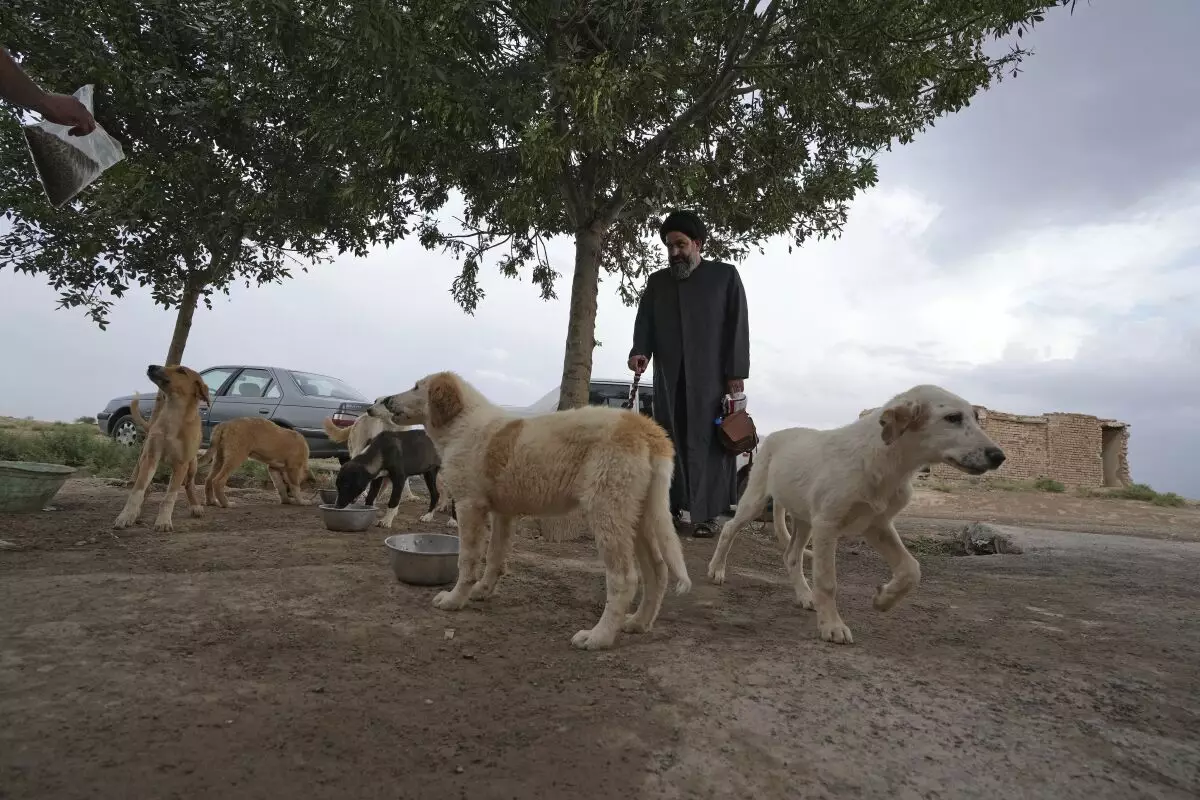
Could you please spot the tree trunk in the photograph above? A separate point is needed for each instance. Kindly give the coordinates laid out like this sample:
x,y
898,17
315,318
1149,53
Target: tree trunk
x,y
183,322
581,326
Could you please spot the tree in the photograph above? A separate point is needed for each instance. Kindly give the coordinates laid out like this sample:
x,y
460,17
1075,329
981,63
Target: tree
x,y
589,118
220,183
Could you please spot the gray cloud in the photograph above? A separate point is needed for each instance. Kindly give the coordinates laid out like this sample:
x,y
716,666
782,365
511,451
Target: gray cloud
x,y
1100,117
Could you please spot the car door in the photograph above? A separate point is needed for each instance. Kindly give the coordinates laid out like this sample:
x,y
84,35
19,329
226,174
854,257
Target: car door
x,y
215,378
251,393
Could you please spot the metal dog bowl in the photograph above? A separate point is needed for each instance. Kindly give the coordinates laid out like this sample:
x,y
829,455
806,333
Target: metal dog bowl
x,y
424,559
354,518
328,496
29,485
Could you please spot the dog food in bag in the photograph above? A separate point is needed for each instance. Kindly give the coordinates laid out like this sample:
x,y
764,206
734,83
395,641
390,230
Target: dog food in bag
x,y
67,164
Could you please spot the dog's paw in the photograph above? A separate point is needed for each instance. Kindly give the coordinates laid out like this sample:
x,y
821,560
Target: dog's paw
x,y
163,526
197,511
482,590
427,517
716,572
804,599
452,523
633,624
124,520
591,640
227,504
835,632
447,601
383,522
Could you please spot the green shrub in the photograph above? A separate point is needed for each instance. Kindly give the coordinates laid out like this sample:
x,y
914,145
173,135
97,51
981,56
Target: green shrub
x,y
1144,493
82,445
1169,499
1044,484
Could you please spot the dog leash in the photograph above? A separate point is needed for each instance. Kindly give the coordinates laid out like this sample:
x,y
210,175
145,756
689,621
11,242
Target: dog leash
x,y
633,393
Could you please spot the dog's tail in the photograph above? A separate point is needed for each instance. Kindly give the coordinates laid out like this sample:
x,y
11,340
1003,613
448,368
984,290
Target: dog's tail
x,y
136,414
213,444
335,432
656,521
779,516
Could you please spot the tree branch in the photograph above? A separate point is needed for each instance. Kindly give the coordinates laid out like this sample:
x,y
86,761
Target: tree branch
x,y
703,104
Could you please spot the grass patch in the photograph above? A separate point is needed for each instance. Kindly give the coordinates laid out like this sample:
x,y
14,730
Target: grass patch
x,y
1144,493
933,546
80,444
1044,484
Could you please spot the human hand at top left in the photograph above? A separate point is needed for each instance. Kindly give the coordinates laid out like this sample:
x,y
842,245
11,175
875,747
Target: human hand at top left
x,y
65,109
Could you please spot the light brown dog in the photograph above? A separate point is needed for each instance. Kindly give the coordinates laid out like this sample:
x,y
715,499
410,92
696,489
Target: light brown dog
x,y
282,450
174,436
614,465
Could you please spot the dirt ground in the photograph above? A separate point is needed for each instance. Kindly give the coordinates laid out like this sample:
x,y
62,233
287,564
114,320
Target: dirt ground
x,y
253,654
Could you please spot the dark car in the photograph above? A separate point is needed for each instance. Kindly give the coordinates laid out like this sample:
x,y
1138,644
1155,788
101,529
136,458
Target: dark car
x,y
288,397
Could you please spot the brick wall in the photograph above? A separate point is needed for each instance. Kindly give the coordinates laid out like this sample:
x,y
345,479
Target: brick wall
x,y
1066,447
1074,449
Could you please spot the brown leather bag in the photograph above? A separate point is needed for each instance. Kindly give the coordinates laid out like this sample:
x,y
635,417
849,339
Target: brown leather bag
x,y
737,432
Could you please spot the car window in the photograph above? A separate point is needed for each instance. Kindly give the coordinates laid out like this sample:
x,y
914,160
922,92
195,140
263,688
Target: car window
x,y
324,386
273,392
250,383
215,377
608,394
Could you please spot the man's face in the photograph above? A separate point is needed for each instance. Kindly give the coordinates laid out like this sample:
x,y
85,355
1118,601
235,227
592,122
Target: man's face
x,y
682,252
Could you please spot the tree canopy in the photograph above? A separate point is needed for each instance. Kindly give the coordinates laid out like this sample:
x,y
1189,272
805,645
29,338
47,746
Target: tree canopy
x,y
220,183
591,118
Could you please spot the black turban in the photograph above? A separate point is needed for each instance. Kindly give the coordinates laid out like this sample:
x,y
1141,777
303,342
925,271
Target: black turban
x,y
685,222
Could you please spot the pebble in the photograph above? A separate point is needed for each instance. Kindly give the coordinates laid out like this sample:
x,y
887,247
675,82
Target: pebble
x,y
81,543
6,545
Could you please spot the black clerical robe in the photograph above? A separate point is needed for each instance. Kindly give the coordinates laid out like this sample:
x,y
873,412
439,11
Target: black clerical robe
x,y
697,333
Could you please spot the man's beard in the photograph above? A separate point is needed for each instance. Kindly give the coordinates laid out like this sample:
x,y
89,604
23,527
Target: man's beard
x,y
682,266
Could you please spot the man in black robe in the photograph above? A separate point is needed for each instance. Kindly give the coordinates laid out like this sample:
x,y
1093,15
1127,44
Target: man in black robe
x,y
692,320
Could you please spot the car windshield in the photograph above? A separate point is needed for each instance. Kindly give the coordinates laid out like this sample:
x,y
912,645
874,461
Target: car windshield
x,y
324,386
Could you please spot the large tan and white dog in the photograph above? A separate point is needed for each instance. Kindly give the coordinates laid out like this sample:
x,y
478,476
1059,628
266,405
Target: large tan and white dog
x,y
853,481
614,465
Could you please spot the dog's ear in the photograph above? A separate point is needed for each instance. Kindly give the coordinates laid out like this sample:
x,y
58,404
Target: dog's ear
x,y
202,390
444,400
901,418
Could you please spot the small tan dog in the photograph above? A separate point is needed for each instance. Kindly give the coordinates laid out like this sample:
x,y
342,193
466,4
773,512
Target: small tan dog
x,y
282,450
174,436
613,464
853,481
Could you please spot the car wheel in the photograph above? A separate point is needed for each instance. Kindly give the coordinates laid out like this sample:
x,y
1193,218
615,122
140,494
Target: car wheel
x,y
125,432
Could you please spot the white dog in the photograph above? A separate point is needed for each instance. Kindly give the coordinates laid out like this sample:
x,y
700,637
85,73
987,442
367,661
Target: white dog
x,y
853,481
614,465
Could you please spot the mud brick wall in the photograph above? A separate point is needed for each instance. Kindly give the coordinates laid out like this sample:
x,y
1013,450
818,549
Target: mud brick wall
x,y
1074,447
1121,432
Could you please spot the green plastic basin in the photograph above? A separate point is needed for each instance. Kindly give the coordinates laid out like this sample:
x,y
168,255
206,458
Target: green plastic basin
x,y
28,485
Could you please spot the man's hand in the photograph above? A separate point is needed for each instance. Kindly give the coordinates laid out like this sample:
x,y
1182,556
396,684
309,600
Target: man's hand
x,y
736,385
638,364
65,109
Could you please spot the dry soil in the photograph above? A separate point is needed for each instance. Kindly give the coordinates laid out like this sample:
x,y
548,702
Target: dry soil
x,y
253,654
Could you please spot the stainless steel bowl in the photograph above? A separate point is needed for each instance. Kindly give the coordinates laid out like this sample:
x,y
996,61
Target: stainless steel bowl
x,y
424,559
328,496
354,518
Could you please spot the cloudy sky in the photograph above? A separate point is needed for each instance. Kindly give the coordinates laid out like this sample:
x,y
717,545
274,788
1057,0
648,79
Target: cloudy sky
x,y
1039,251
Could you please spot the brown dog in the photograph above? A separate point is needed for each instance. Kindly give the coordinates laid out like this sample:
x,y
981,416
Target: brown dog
x,y
282,450
174,436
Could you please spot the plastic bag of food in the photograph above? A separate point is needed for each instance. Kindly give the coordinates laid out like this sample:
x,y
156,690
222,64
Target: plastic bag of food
x,y
67,164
